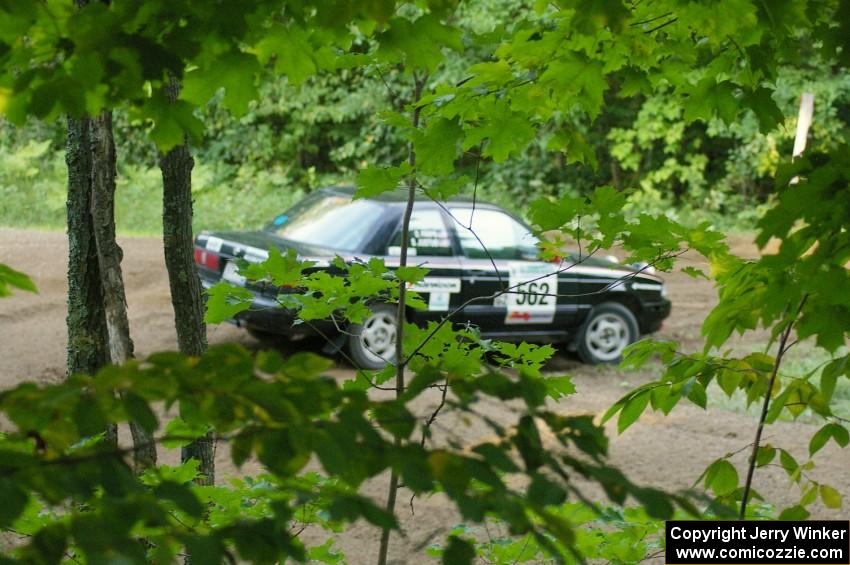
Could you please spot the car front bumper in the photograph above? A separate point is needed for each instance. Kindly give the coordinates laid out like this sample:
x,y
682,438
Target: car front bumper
x,y
653,315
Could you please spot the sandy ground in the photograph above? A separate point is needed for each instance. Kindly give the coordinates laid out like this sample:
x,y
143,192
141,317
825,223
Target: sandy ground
x,y
668,452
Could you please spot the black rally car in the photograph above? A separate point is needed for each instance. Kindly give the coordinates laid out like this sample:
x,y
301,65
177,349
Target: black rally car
x,y
598,306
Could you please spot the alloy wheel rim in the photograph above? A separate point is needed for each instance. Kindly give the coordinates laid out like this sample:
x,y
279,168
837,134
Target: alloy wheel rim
x,y
607,336
378,337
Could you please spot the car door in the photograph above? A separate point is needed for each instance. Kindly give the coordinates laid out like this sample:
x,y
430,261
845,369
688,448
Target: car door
x,y
430,245
499,253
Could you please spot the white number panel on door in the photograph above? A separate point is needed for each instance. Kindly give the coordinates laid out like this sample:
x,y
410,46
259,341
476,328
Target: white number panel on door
x,y
532,299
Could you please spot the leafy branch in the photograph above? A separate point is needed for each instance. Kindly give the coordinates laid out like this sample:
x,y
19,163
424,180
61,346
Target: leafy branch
x,y
783,348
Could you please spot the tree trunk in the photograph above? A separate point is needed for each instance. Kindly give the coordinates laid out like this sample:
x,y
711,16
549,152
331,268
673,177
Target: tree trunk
x,y
186,297
109,254
86,320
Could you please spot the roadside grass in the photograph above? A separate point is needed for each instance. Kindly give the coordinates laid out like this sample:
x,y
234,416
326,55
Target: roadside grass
x,y
33,183
802,360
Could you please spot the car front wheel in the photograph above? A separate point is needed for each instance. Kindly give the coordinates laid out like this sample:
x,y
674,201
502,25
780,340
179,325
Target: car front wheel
x,y
609,329
372,343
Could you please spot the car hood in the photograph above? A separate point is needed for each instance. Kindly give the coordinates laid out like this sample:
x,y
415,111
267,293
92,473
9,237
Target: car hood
x,y
605,267
601,262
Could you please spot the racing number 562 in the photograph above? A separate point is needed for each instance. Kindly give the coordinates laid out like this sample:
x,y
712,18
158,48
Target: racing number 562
x,y
528,294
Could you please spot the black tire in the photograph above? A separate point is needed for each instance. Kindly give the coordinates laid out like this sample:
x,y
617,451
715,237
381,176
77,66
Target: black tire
x,y
609,329
372,343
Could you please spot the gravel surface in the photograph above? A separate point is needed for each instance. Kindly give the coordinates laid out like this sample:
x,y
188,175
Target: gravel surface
x,y
668,452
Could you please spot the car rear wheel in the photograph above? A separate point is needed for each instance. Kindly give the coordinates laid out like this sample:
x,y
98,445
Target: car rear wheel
x,y
372,343
609,329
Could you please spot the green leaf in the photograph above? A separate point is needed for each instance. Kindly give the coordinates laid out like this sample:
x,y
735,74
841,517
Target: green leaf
x,y
224,301
559,387
204,549
411,274
281,269
765,454
458,552
544,492
656,503
634,82
721,477
325,553
187,433
832,430
709,98
445,188
575,146
551,215
794,513
490,72
183,473
787,461
235,71
9,277
507,132
436,147
694,273
373,181
496,457
14,501
173,122
810,495
578,80
831,498
291,50
529,444
697,394
632,409
762,103
405,41
182,496
140,412
350,507
395,418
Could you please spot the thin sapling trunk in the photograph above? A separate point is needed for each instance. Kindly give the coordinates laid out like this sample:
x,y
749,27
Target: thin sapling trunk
x,y
392,492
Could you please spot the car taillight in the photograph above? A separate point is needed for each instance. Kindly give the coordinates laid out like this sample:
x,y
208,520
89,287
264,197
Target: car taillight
x,y
207,259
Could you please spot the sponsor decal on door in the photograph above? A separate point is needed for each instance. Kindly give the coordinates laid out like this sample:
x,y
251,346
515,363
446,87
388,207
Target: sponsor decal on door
x,y
439,289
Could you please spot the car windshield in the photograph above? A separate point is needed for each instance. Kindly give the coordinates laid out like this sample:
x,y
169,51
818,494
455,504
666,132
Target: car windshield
x,y
329,220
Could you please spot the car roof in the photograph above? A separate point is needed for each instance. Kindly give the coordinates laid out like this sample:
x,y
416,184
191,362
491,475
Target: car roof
x,y
399,197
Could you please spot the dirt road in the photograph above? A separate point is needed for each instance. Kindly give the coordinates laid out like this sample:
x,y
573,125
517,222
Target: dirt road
x,y
668,452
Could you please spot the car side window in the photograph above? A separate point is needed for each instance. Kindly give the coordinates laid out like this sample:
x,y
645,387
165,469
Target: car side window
x,y
428,235
501,235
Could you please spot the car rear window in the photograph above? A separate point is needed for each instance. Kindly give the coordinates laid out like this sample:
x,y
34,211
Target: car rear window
x,y
332,221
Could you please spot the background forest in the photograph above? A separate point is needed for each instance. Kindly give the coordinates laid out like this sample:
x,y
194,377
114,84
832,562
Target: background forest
x,y
299,137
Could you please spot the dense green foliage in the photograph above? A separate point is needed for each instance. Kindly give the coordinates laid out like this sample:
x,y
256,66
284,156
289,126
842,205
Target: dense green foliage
x,y
297,136
541,81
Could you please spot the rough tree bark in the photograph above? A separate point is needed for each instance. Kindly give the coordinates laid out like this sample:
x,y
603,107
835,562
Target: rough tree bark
x,y
186,297
86,320
103,170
